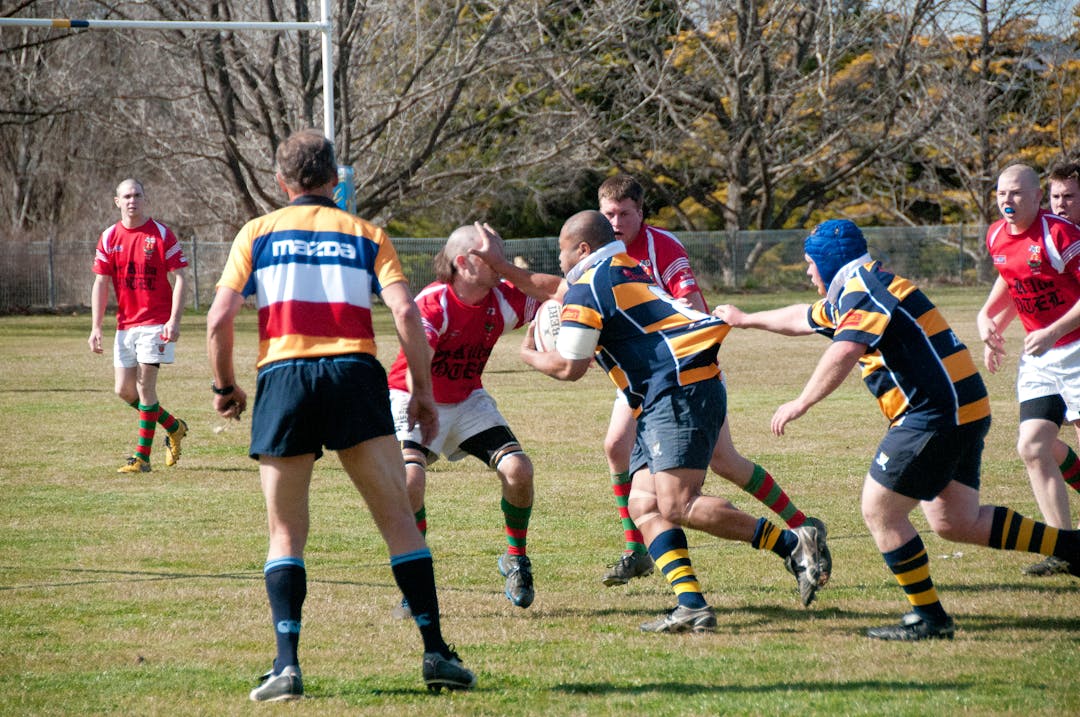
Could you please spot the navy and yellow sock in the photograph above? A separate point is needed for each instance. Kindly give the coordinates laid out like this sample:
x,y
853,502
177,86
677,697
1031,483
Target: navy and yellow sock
x,y
768,537
1012,531
671,553
911,566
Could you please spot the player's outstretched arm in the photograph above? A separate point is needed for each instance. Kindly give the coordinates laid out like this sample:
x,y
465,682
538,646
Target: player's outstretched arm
x,y
534,284
831,370
789,320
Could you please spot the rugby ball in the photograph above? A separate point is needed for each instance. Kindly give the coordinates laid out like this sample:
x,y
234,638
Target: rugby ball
x,y
546,325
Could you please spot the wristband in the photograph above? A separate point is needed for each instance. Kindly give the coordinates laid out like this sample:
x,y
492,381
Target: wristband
x,y
224,391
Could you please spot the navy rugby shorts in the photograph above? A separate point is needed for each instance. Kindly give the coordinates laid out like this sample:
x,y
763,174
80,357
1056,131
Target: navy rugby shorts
x,y
679,429
302,405
920,462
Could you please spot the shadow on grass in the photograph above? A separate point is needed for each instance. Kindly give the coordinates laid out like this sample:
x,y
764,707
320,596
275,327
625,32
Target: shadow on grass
x,y
124,576
682,688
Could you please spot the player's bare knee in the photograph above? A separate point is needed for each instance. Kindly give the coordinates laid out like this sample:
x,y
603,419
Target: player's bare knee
x,y
640,503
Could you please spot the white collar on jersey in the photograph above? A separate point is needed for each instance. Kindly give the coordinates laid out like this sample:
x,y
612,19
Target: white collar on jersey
x,y
842,275
608,250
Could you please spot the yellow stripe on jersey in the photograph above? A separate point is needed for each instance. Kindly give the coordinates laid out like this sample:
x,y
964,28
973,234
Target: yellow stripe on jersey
x,y
892,402
618,377
933,323
697,341
901,287
632,294
582,315
864,321
974,411
698,374
959,365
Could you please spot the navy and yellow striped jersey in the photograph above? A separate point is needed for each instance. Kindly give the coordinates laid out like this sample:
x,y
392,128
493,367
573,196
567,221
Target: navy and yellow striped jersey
x,y
918,369
647,341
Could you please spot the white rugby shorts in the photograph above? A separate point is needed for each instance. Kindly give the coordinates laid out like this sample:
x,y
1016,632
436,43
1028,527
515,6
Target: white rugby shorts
x,y
458,422
142,344
1055,372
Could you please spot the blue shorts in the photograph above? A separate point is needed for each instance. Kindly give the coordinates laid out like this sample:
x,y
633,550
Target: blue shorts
x,y
679,430
919,463
302,405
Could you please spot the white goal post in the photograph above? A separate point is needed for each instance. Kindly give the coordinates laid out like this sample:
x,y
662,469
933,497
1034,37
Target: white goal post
x,y
324,26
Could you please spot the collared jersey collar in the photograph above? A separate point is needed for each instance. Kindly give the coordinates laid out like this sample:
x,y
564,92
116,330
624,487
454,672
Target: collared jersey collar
x,y
842,275
608,250
312,200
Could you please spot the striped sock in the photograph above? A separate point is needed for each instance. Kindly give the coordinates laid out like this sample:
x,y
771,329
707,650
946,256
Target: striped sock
x,y
421,520
671,553
1012,531
165,419
911,566
768,537
765,489
1070,470
148,416
517,526
620,485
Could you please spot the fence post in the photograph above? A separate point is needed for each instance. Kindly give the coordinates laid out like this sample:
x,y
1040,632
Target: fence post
x,y
195,265
52,271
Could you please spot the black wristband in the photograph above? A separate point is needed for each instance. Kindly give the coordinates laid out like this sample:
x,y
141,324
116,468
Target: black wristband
x,y
224,391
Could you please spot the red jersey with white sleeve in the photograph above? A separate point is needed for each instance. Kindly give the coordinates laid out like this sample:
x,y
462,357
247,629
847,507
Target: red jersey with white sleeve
x,y
665,260
139,261
1041,268
462,336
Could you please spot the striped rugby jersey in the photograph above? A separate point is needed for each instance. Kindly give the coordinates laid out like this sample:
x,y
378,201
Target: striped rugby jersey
x,y
312,269
646,341
918,369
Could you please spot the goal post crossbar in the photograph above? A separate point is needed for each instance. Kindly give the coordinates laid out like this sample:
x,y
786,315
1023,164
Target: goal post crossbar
x,y
324,26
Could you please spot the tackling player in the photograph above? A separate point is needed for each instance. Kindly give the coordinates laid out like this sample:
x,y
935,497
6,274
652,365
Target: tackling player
x,y
927,386
661,355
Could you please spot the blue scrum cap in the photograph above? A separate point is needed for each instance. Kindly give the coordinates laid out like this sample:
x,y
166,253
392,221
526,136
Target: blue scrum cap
x,y
833,244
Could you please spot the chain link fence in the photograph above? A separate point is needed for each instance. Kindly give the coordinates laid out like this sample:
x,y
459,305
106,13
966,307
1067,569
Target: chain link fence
x,y
56,275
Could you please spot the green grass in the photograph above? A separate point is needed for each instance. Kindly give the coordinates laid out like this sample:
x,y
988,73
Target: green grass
x,y
143,594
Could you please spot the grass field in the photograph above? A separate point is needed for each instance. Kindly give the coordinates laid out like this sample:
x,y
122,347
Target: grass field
x,y
143,595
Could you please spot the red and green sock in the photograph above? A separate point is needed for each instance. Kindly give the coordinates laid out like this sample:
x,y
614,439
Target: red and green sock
x,y
765,489
620,485
517,526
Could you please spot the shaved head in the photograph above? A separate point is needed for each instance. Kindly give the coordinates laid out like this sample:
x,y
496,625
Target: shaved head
x,y
589,226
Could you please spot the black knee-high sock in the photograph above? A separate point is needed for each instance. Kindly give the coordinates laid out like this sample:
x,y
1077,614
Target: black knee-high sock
x,y
286,586
415,575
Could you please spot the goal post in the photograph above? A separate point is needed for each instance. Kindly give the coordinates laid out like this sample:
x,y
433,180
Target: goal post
x,y
324,26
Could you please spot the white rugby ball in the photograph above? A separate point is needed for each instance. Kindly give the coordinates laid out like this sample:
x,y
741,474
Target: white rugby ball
x,y
546,325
